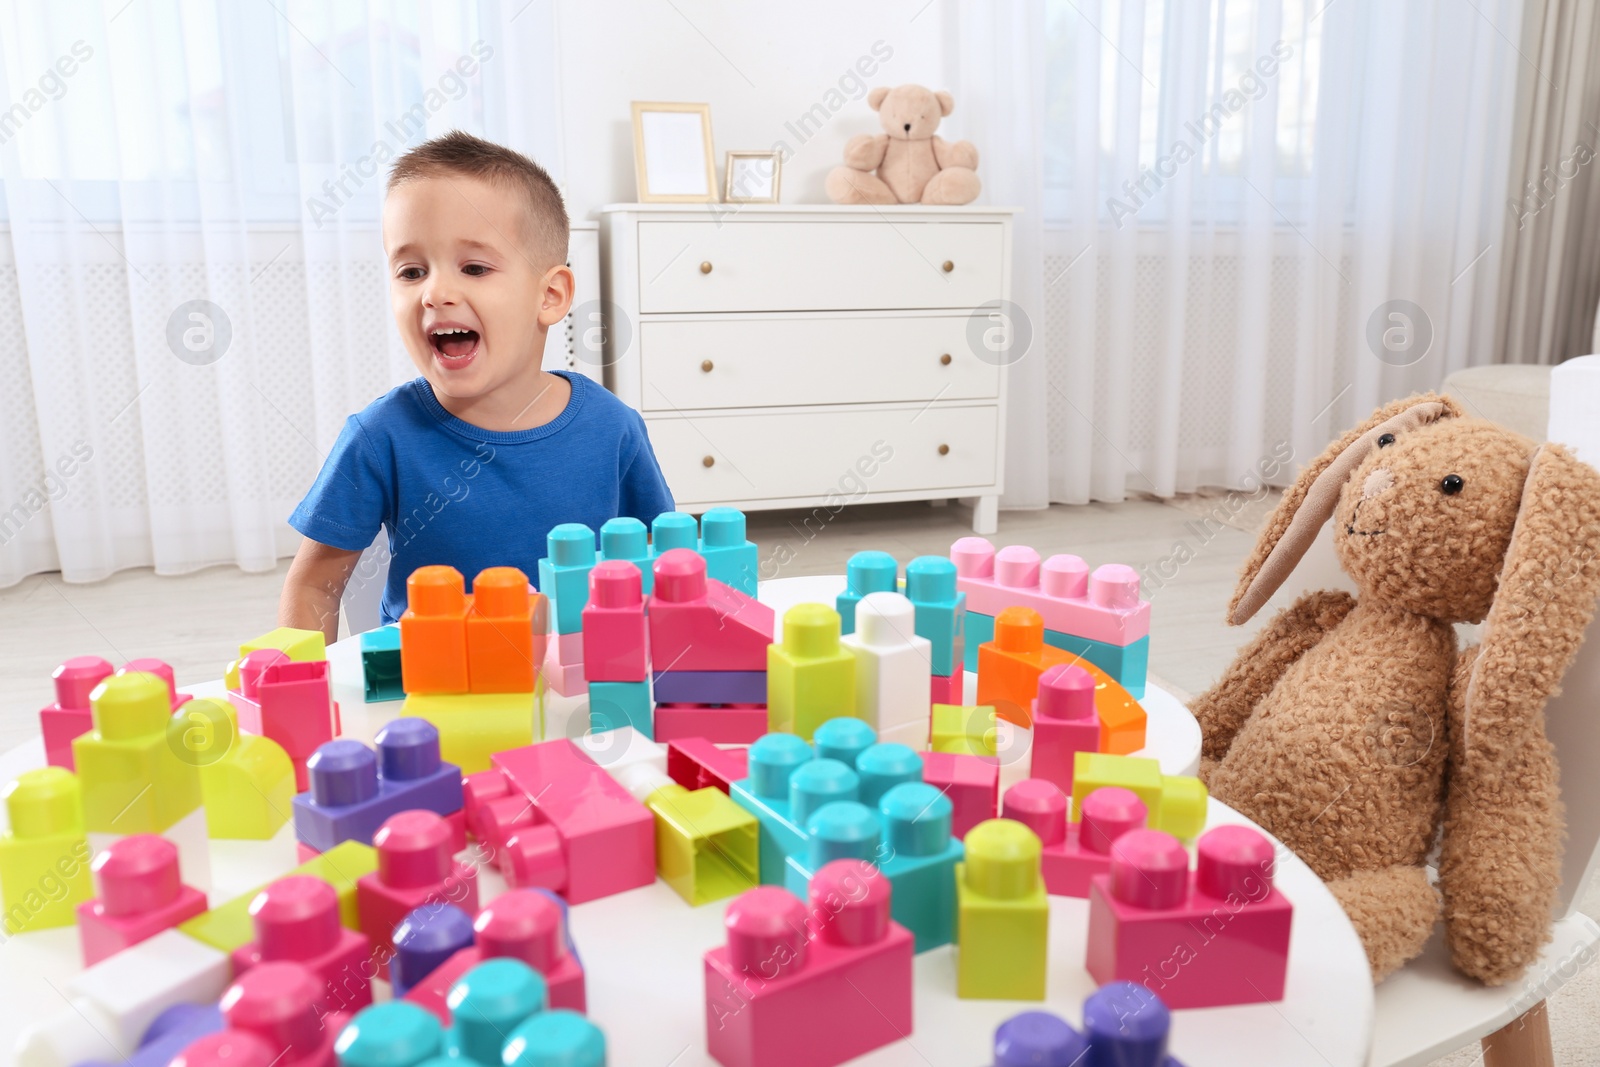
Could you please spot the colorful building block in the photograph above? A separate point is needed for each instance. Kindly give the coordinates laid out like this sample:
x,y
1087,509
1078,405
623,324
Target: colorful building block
x,y
182,1035
565,677
980,631
616,704
865,573
564,574
971,782
380,664
1219,936
843,739
69,716
638,763
507,624
1176,803
1103,605
705,843
728,724
227,926
920,860
695,763
296,919
883,766
488,1003
415,867
395,1033
354,789
940,610
1073,852
567,648
44,855
697,623
893,663
946,688
433,632
474,726
843,829
1129,664
772,983
730,559
1010,666
810,677
627,540
133,780
1003,914
957,728
615,638
289,701
280,1004
140,894
1123,1024
302,646
774,759
428,936
673,529
246,782
1064,723
556,1038
710,687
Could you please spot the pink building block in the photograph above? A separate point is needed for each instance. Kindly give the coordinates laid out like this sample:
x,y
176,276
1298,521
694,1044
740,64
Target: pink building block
x,y
699,624
1064,723
140,895
563,823
1074,852
946,688
414,868
614,630
727,724
523,924
565,678
68,717
1219,936
279,1004
567,649
296,919
695,762
971,782
290,702
161,669
809,986
1102,606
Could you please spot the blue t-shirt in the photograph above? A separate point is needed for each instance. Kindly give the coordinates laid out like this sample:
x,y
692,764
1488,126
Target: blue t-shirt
x,y
449,492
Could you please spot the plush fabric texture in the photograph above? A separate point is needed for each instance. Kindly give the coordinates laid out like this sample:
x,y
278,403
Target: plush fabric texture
x,y
907,163
1352,730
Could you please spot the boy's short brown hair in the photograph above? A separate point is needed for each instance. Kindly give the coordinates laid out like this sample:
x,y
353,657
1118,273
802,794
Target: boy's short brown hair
x,y
458,152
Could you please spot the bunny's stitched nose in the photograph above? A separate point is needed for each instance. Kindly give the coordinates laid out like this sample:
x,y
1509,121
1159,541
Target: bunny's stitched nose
x,y
908,127
1377,482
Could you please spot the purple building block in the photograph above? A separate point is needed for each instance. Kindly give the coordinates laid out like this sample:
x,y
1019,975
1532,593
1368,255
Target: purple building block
x,y
1038,1039
1125,1025
169,1034
425,938
710,687
354,789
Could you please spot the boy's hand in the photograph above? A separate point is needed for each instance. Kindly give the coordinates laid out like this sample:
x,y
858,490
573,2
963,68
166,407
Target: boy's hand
x,y
313,588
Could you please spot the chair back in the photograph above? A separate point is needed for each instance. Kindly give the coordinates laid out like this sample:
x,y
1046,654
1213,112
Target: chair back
x,y
362,602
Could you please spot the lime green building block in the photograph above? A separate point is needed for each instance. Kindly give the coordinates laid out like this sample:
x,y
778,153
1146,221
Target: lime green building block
x,y
705,843
44,857
1176,803
246,782
474,726
136,774
1002,914
302,646
811,678
1183,806
962,729
227,926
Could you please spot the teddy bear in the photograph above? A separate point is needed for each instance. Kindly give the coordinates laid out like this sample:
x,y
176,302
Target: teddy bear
x,y
913,165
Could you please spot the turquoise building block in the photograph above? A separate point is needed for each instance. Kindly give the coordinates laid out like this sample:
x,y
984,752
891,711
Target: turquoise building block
x,y
614,704
980,631
843,739
380,664
920,860
884,766
627,538
730,559
1128,664
842,830
393,1033
559,1038
940,610
487,1004
673,529
773,759
564,574
864,572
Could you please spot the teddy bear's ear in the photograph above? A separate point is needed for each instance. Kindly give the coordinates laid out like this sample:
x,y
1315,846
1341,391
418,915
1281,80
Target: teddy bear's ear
x,y
947,103
1310,501
876,98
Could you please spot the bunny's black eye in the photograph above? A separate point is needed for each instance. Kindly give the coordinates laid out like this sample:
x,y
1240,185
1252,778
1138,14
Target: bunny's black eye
x,y
1451,485
1385,440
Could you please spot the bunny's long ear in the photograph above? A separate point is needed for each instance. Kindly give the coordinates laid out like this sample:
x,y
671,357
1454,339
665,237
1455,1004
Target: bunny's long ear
x,y
1309,502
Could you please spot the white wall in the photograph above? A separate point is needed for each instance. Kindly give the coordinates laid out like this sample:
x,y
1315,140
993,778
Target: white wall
x,y
760,67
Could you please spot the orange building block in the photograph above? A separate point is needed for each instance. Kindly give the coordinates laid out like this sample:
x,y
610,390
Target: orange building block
x,y
506,627
1122,719
433,632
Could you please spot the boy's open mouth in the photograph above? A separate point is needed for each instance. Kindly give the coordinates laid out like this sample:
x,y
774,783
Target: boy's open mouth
x,y
454,345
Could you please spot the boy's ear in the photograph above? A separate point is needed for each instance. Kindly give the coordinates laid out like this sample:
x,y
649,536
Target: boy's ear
x,y
559,287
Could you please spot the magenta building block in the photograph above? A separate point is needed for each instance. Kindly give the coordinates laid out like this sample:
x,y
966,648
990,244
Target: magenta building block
x,y
139,895
971,782
1103,605
276,1002
710,687
290,702
697,623
725,724
69,716
1064,723
415,867
296,920
614,631
1074,852
946,688
354,789
696,762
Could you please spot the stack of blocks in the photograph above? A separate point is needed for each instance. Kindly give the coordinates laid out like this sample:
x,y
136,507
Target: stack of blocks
x,y
287,701
1098,616
471,664
564,580
1123,1024
615,641
415,867
894,664
296,920
941,617
1073,852
69,717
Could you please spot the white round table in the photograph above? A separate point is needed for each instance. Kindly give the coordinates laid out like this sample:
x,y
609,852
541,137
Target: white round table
x,y
642,949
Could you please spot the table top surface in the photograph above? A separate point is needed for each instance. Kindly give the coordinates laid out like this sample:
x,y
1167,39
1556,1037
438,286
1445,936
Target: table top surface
x,y
642,949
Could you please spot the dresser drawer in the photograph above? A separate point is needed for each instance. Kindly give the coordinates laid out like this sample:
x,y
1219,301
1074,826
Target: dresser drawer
x,y
841,455
785,362
818,266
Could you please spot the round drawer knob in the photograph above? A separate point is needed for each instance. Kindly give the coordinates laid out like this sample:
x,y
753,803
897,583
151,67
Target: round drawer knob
x,y
705,268
944,360
947,266
708,461
944,450
706,365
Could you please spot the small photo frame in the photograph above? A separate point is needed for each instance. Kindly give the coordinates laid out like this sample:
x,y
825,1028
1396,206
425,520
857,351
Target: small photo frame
x,y
672,158
752,177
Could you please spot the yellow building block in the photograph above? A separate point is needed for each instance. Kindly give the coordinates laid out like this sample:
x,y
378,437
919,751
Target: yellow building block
x,y
1183,806
811,678
246,782
44,857
705,843
1002,914
474,726
1176,803
136,775
962,729
298,645
227,926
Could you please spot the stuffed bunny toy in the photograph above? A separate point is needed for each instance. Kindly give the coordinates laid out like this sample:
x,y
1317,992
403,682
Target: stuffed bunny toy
x,y
1353,730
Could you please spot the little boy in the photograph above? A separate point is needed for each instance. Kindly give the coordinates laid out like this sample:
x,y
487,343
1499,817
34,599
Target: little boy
x,y
472,463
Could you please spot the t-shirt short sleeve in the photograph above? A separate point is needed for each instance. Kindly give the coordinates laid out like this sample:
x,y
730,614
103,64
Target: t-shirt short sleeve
x,y
643,490
347,503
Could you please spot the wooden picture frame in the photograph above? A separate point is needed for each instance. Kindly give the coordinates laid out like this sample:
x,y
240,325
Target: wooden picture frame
x,y
673,162
742,172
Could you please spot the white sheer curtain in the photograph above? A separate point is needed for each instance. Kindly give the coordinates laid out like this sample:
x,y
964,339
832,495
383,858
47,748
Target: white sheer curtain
x,y
192,282
1236,192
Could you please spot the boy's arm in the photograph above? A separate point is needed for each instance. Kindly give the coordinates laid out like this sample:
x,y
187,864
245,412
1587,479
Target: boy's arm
x,y
313,587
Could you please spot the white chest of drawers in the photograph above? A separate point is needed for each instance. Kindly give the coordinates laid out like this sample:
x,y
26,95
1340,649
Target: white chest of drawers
x,y
811,355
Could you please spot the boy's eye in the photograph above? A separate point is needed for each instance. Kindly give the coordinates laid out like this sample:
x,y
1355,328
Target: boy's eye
x,y
411,274
475,269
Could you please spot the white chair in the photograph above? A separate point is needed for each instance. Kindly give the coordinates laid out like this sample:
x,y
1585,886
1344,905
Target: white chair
x,y
363,593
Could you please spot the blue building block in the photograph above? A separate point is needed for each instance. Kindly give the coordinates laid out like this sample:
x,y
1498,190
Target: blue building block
x,y
1124,1025
979,631
673,529
940,610
885,765
773,760
864,572
843,739
627,538
920,861
614,704
487,1004
841,830
730,559
354,789
393,1033
380,664
564,574
710,687
425,938
559,1038
1128,664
